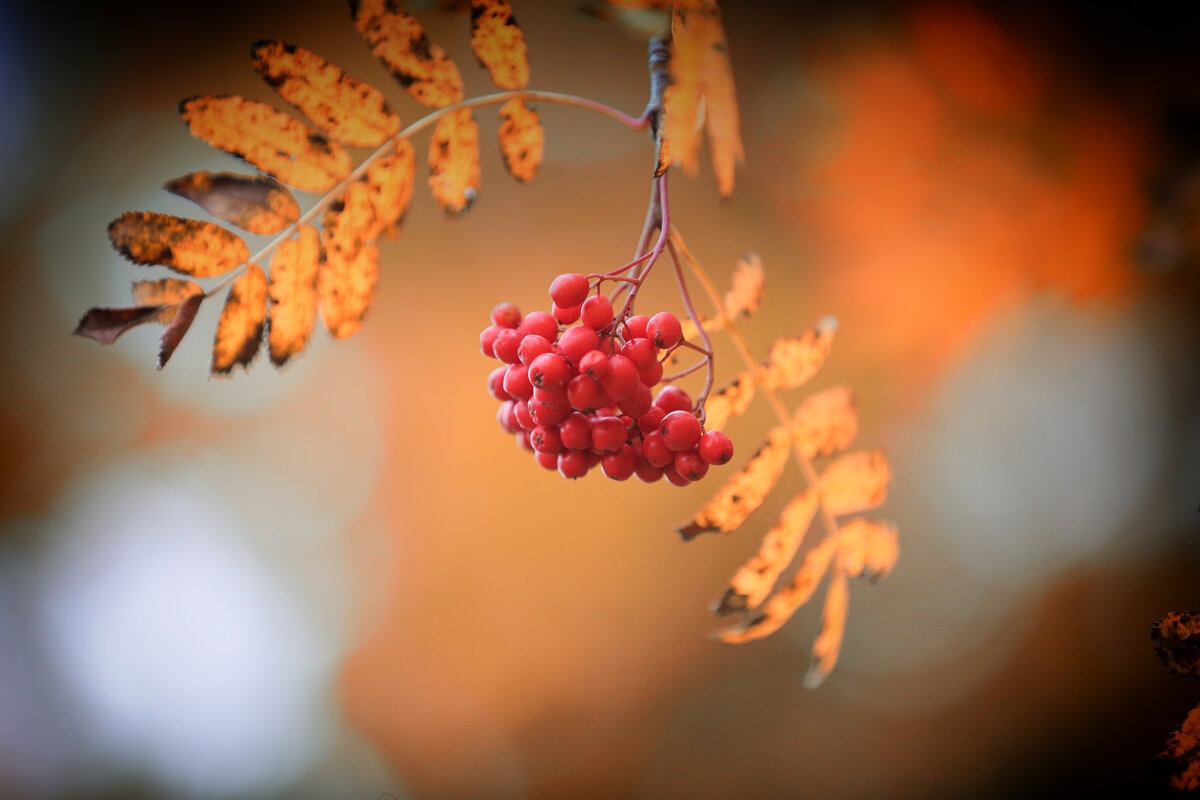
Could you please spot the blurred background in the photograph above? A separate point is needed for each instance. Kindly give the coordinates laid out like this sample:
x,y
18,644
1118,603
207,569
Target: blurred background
x,y
341,580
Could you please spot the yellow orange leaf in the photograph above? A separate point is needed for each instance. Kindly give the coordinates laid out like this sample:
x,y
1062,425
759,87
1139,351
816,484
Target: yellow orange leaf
x,y
174,333
293,292
166,292
855,482
390,181
729,401
721,117
199,249
833,627
521,139
1182,753
793,361
398,41
746,287
1176,639
826,422
347,285
254,203
240,328
498,43
269,139
454,162
349,222
780,607
867,548
679,128
738,498
754,581
353,112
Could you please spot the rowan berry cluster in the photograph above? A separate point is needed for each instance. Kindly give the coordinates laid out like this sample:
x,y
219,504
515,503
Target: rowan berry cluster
x,y
579,396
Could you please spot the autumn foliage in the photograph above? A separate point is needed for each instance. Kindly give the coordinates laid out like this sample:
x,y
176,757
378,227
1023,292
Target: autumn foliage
x,y
323,262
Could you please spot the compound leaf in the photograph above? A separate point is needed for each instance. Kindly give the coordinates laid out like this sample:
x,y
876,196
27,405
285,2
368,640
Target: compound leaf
x,y
179,326
293,293
192,247
454,162
742,494
399,42
521,139
240,328
347,285
826,422
1177,641
833,628
855,482
794,360
254,203
390,181
165,292
499,44
867,548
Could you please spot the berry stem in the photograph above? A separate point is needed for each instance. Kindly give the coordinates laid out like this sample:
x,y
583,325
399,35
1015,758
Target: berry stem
x,y
691,309
756,370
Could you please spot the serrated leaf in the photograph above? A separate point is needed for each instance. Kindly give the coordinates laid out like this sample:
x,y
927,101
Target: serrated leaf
x,y
270,140
454,162
867,548
240,328
755,579
855,482
353,112
680,126
166,292
189,246
179,326
833,628
794,360
398,41
254,203
742,494
105,324
1182,753
347,286
521,139
780,607
499,44
746,287
730,400
390,181
1176,639
293,293
826,422
721,117
349,222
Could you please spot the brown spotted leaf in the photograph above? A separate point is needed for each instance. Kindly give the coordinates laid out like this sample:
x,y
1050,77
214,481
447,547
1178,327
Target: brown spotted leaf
x,y
347,286
756,578
390,181
679,129
521,139
269,139
397,40
794,360
240,328
1181,756
106,324
254,203
192,247
1177,641
165,292
349,222
855,482
349,110
780,607
833,628
826,422
867,548
293,293
721,117
730,400
498,43
179,326
454,162
745,491
745,287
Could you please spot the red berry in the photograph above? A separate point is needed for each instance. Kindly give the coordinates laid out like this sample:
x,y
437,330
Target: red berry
x,y
594,363
576,342
608,434
715,447
487,339
576,431
521,412
652,376
506,315
584,393
506,416
621,378
569,289
641,352
621,464
647,472
506,345
596,312
549,372
672,475
532,346
566,315
546,460
688,463
540,323
573,463
655,450
635,327
547,413
637,403
672,398
650,420
680,430
664,328
546,440
496,384
516,382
